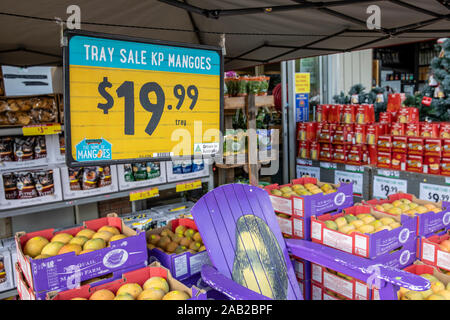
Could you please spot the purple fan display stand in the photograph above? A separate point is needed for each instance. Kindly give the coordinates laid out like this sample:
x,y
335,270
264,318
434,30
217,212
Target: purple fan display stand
x,y
251,258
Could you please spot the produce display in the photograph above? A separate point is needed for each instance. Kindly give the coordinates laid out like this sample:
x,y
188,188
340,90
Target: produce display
x,y
28,110
86,240
405,206
155,288
307,189
244,85
182,240
362,223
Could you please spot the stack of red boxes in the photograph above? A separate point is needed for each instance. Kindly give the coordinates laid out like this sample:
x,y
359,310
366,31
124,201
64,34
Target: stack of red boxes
x,y
349,134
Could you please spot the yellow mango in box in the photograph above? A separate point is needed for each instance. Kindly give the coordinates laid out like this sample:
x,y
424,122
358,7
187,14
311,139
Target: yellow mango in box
x,y
313,191
276,192
34,246
388,228
367,228
404,207
412,295
436,296
413,205
368,219
286,189
340,222
347,228
421,209
429,206
132,289
309,185
404,200
395,211
397,203
362,215
380,208
62,237
297,186
376,224
437,286
395,225
387,206
52,248
445,294
387,221
411,212
357,223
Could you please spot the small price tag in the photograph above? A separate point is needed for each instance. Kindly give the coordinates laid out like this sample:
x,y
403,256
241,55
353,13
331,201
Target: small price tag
x,y
313,172
144,194
383,187
41,129
354,168
432,192
189,186
328,165
350,177
305,162
388,173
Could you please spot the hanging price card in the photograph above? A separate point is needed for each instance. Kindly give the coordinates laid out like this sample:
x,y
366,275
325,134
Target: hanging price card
x,y
313,172
144,194
383,187
41,129
328,165
131,99
432,192
350,177
189,186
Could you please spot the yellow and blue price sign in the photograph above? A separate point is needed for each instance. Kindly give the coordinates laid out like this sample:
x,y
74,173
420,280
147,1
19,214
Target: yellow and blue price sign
x,y
126,98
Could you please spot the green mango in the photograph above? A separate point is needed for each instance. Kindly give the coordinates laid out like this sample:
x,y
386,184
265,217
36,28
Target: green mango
x,y
259,263
350,218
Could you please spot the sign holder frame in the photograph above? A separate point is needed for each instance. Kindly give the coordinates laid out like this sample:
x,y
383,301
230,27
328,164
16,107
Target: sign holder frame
x,y
68,34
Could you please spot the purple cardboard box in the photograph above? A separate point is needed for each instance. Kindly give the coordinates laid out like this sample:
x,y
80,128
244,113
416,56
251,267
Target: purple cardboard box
x,y
312,205
68,269
182,265
196,281
371,245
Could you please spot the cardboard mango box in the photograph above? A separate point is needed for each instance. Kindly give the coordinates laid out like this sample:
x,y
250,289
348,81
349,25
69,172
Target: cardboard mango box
x,y
138,276
305,288
26,292
307,206
347,287
373,245
432,253
293,227
182,265
302,268
427,222
419,268
56,272
318,292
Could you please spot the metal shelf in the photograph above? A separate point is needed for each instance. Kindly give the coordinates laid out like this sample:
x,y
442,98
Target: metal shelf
x,y
75,202
15,131
9,293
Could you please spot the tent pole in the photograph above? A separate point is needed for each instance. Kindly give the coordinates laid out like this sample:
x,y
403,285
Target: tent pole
x,y
284,123
291,118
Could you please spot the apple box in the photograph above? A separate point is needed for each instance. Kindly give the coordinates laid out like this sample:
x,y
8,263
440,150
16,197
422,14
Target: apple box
x,y
427,222
138,276
414,163
182,265
348,287
66,269
435,250
306,206
367,245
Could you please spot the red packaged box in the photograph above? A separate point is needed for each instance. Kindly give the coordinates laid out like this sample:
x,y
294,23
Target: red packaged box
x,y
311,131
343,134
384,143
398,161
412,130
301,131
432,165
304,149
433,147
339,154
372,155
399,144
398,129
414,163
355,155
334,113
314,149
444,130
373,131
415,146
326,152
349,114
386,117
365,113
446,148
429,130
341,113
384,159
326,133
445,167
360,133
408,115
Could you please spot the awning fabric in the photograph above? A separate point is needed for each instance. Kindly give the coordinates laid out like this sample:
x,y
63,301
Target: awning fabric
x,y
256,32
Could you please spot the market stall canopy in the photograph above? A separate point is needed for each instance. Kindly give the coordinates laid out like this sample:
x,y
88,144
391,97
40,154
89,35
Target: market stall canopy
x,y
256,32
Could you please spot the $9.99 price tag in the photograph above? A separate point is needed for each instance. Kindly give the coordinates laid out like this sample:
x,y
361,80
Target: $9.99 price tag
x,y
132,100
432,192
384,187
350,177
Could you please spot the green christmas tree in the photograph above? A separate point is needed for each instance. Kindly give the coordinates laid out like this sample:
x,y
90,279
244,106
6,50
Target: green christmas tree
x,y
438,90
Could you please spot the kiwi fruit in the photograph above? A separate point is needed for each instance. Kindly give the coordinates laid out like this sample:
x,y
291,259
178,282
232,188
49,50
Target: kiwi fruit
x,y
189,233
185,242
180,249
202,248
195,246
163,242
171,247
153,238
196,237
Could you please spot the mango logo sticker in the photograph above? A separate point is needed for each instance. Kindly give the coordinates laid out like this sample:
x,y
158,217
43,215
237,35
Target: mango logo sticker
x,y
99,154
